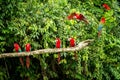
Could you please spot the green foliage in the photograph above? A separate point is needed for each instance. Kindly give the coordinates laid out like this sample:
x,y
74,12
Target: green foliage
x,y
3,75
39,22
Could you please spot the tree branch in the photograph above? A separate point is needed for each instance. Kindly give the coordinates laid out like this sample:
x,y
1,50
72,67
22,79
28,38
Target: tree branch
x,y
43,51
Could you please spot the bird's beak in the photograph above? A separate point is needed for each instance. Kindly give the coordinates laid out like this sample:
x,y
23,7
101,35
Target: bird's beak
x,y
69,39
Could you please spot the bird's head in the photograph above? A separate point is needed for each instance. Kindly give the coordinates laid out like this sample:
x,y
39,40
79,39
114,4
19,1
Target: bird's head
x,y
70,39
102,20
16,45
27,45
58,42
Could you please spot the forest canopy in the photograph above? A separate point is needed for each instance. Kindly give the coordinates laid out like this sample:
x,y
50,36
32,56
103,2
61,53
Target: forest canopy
x,y
38,24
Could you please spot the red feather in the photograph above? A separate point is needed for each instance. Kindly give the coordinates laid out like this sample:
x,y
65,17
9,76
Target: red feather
x,y
102,20
106,6
99,33
17,49
21,61
71,16
78,17
27,62
81,17
58,45
58,57
28,48
72,44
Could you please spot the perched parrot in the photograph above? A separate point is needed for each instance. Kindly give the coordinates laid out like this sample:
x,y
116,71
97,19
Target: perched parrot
x,y
27,48
18,49
58,45
106,6
78,17
102,22
73,44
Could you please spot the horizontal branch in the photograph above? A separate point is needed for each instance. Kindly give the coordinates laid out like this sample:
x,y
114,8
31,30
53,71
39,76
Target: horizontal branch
x,y
43,51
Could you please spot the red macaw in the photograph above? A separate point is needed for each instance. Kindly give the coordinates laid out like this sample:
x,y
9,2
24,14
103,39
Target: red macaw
x,y
106,6
79,17
102,22
58,45
18,49
72,44
27,48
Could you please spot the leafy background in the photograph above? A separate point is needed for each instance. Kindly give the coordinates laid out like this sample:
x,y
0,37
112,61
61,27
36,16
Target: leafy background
x,y
39,22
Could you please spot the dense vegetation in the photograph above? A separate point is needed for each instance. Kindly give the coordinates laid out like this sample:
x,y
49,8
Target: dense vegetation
x,y
39,22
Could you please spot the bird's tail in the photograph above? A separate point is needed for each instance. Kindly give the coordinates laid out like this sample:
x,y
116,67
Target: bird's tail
x,y
27,62
85,20
59,57
99,33
76,56
21,61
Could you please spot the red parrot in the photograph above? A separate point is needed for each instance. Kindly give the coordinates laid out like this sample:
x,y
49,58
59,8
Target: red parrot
x,y
27,48
73,44
79,17
102,21
18,49
106,6
58,45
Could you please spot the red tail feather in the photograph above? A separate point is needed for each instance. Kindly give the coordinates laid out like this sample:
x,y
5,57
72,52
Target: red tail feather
x,y
58,57
99,33
21,61
85,21
72,44
28,48
27,62
18,49
58,45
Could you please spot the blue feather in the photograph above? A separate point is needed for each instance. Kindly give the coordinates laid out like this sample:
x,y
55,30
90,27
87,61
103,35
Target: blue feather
x,y
100,27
